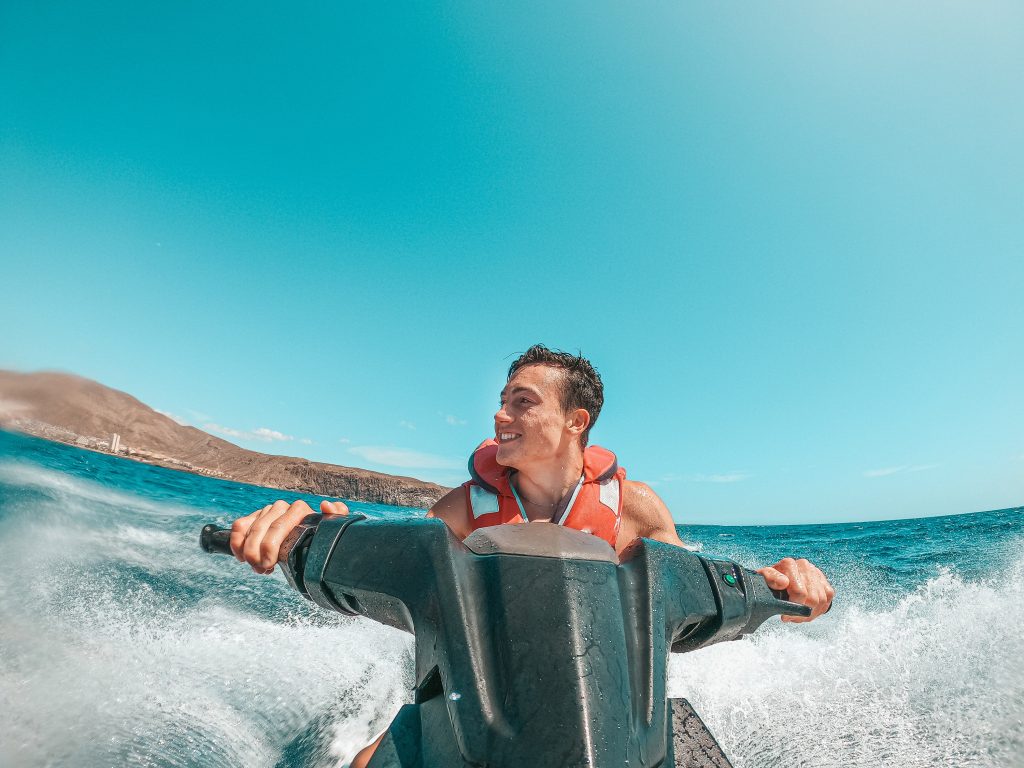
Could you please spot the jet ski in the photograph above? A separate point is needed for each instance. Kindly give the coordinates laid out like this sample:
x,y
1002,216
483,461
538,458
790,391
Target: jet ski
x,y
535,644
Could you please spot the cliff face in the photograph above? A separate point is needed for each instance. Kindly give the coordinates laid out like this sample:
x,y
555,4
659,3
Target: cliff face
x,y
79,411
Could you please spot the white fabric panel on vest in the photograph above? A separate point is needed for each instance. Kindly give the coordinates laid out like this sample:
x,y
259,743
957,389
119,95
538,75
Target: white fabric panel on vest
x,y
610,494
483,501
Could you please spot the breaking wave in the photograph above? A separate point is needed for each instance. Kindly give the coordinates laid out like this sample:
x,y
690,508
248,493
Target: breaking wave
x,y
123,644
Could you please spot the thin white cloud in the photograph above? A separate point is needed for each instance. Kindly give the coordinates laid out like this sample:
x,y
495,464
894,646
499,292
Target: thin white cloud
x,y
220,429
735,476
262,434
305,441
406,424
901,469
173,417
270,435
453,420
404,458
344,440
884,471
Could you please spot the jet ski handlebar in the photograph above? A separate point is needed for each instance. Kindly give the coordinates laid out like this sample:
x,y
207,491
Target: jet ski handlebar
x,y
535,644
292,557
713,598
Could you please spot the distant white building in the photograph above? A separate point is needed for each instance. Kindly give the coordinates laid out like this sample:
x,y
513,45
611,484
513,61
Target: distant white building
x,y
115,443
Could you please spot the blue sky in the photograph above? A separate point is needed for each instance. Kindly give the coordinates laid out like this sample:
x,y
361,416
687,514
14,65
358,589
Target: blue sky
x,y
790,236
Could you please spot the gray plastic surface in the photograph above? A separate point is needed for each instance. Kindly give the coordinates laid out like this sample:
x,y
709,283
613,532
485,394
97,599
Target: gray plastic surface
x,y
534,645
539,540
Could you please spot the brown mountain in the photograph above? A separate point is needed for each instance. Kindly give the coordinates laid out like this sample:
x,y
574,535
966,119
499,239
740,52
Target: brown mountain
x,y
79,411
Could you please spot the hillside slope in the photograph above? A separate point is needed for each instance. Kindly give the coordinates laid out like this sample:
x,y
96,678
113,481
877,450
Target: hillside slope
x,y
79,411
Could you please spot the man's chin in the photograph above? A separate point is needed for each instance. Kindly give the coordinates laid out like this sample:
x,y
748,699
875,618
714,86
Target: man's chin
x,y
505,456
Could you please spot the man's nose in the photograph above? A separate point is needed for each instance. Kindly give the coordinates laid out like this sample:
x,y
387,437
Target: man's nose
x,y
502,417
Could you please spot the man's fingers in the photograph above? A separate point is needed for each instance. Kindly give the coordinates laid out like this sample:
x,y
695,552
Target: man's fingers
x,y
797,589
822,599
814,602
774,578
256,538
333,507
239,530
807,586
270,546
253,539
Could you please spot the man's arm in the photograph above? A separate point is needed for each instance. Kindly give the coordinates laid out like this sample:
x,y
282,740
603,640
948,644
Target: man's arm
x,y
645,515
256,538
454,511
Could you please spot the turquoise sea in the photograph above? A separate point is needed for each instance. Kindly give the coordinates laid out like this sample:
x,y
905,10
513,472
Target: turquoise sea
x,y
122,644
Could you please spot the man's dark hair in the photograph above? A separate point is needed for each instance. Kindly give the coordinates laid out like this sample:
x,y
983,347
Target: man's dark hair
x,y
581,384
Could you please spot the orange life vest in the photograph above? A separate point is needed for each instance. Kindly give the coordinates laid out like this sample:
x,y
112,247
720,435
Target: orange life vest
x,y
595,506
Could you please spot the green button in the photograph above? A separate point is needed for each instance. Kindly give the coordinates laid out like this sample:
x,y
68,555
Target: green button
x,y
729,579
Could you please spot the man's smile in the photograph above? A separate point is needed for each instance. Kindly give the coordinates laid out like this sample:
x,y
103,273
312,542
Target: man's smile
x,y
505,437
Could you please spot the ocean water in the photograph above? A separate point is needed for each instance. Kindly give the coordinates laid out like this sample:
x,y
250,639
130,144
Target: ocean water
x,y
122,644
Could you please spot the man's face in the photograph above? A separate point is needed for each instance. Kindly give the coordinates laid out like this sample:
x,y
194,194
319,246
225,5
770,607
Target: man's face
x,y
530,426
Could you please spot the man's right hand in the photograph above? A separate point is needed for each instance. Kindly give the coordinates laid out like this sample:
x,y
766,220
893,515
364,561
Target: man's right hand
x,y
256,538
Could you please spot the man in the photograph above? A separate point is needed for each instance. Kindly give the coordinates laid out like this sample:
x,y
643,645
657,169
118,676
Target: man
x,y
539,469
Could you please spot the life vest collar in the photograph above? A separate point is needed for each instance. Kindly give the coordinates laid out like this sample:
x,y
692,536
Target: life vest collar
x,y
599,465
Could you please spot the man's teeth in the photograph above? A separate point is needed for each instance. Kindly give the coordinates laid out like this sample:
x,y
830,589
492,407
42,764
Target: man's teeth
x,y
506,436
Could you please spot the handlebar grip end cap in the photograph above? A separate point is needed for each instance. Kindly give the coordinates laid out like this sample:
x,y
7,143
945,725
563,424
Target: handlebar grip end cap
x,y
789,608
215,541
795,609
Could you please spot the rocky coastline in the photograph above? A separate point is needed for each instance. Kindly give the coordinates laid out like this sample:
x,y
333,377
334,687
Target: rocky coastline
x,y
84,413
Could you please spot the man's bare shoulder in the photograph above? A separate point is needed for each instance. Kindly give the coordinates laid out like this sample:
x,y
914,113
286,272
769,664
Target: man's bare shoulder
x,y
645,515
453,509
640,502
637,494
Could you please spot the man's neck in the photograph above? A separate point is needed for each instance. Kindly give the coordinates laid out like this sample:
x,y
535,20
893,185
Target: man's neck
x,y
542,488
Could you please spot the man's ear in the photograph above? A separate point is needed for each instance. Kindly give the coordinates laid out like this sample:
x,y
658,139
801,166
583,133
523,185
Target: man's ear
x,y
578,421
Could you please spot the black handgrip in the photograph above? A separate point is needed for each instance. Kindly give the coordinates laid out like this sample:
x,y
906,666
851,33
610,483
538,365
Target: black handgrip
x,y
792,609
291,555
215,541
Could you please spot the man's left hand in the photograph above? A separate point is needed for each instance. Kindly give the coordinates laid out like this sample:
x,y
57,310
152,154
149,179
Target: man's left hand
x,y
804,582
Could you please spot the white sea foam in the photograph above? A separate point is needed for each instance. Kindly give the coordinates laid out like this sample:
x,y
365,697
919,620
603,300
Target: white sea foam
x,y
124,644
100,675
214,687
937,680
